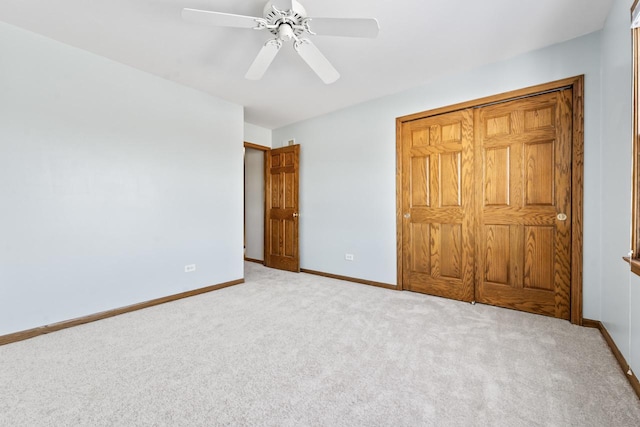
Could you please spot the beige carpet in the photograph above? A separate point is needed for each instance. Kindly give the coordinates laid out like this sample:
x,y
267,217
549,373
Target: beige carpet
x,y
289,349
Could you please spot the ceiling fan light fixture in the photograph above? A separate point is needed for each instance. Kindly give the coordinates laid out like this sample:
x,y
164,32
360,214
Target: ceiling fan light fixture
x,y
285,32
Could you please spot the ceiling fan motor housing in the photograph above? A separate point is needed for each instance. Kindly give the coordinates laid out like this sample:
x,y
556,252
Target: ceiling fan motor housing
x,y
294,17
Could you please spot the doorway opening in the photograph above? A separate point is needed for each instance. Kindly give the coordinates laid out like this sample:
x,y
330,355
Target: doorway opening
x,y
254,201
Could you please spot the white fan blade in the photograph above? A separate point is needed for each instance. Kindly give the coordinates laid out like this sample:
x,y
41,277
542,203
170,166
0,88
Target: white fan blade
x,y
317,61
219,18
345,27
264,59
283,5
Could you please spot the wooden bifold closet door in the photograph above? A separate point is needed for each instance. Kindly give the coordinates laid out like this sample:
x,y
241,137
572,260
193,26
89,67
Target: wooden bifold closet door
x,y
486,204
438,205
523,182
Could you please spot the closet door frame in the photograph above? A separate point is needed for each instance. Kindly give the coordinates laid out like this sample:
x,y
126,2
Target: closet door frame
x,y
577,178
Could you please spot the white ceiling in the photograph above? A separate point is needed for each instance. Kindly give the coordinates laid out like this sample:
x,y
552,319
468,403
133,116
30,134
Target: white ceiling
x,y
419,40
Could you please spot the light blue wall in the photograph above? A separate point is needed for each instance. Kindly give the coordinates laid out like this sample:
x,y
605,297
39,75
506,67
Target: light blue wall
x,y
620,296
348,193
111,181
257,135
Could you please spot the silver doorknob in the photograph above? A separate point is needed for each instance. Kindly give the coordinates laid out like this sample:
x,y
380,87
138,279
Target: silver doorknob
x,y
562,217
407,215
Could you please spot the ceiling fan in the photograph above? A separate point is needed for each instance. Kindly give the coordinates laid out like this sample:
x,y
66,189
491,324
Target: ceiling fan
x,y
287,20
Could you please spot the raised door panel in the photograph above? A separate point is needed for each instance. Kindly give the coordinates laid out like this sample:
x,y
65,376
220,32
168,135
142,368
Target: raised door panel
x,y
539,160
451,251
450,169
275,243
497,183
539,258
496,254
421,248
420,184
275,183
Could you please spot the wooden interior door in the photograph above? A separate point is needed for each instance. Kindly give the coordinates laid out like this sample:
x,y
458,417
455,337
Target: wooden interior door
x,y
281,223
437,205
523,185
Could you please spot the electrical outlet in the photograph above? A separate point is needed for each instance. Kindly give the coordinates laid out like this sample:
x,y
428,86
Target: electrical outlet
x,y
189,268
348,257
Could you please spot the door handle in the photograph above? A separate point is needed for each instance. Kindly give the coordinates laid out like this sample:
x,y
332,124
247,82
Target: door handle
x,y
296,214
562,217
